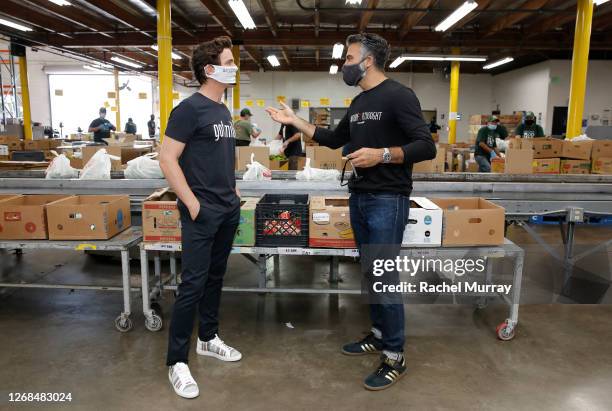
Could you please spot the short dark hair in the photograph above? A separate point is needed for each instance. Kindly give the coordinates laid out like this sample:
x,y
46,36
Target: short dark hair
x,y
208,53
372,44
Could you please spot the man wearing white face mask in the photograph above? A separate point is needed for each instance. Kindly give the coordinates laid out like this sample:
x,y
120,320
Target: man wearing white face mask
x,y
197,158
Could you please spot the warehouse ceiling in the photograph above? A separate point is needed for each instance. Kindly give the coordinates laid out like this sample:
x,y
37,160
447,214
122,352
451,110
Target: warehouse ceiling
x,y
302,32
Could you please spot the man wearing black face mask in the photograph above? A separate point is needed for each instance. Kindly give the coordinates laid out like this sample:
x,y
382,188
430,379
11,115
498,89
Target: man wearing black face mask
x,y
101,127
530,129
386,134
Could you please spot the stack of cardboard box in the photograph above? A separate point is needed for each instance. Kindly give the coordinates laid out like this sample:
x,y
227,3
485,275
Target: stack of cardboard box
x,y
432,166
601,157
325,158
552,156
477,121
546,155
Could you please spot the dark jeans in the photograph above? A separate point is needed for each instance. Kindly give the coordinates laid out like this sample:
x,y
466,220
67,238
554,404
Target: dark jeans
x,y
207,243
380,219
484,165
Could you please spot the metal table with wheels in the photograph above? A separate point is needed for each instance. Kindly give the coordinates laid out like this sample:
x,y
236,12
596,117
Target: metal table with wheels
x,y
260,255
122,243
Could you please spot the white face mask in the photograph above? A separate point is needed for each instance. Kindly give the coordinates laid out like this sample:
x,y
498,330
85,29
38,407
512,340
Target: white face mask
x,y
224,74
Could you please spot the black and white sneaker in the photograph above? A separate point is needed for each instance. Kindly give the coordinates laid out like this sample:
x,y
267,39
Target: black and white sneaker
x,y
182,381
368,345
218,349
388,373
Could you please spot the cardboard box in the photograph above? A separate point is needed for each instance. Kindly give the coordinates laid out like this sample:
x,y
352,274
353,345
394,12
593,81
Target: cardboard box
x,y
575,166
121,140
36,145
4,150
76,163
519,161
547,147
424,228
546,166
602,165
601,148
124,153
325,158
498,165
7,196
13,143
520,143
431,166
471,221
472,166
330,223
55,143
301,162
279,165
24,217
243,156
90,217
577,150
245,234
161,219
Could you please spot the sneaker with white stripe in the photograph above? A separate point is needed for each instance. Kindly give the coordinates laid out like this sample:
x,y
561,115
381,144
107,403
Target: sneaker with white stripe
x,y
182,381
218,349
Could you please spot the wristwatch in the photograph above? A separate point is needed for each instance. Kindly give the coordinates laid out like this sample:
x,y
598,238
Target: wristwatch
x,y
386,156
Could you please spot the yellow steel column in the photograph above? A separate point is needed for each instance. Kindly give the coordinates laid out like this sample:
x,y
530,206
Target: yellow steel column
x,y
453,105
164,63
580,62
25,98
117,105
236,90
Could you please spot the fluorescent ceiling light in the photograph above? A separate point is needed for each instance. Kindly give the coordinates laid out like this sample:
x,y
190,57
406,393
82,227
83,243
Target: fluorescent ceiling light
x,y
173,54
498,63
273,60
144,6
242,13
61,2
424,58
397,62
353,2
432,57
15,25
337,52
465,58
126,62
333,69
600,2
457,15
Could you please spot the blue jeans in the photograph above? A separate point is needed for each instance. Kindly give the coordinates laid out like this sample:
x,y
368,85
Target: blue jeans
x,y
380,219
484,165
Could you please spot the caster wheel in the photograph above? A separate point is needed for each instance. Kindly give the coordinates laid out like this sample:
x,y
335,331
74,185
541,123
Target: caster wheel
x,y
123,324
154,323
157,308
505,332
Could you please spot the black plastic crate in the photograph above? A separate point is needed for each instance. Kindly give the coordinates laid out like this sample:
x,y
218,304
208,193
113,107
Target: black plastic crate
x,y
282,220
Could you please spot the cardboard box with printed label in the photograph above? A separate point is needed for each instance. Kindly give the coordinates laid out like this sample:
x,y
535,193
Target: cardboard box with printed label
x,y
161,219
519,160
36,145
431,166
243,156
575,166
498,165
424,228
546,166
325,158
89,217
24,217
330,222
577,150
13,143
471,221
245,234
544,147
279,165
601,148
602,165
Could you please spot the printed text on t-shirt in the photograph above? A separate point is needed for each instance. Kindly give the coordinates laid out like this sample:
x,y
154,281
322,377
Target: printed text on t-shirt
x,y
224,130
368,115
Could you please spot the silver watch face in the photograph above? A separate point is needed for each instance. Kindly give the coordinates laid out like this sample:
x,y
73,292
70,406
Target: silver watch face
x,y
386,157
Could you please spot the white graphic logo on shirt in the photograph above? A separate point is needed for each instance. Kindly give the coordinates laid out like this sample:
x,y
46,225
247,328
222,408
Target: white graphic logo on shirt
x,y
361,118
224,131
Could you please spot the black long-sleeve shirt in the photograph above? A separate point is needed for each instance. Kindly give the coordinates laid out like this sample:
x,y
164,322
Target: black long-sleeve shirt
x,y
388,115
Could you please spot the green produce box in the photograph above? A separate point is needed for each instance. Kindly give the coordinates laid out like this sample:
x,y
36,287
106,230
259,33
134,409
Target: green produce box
x,y
245,234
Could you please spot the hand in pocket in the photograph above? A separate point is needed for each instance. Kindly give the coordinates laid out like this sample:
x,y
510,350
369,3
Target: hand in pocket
x,y
194,211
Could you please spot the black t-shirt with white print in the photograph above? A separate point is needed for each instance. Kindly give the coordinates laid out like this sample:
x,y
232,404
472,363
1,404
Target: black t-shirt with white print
x,y
207,130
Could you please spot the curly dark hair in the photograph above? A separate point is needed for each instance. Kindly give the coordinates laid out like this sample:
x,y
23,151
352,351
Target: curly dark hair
x,y
208,53
372,44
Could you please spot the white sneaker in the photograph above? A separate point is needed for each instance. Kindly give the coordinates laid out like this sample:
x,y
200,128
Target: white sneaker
x,y
182,381
218,349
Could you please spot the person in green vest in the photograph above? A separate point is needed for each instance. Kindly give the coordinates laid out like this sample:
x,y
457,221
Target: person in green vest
x,y
245,129
529,129
485,149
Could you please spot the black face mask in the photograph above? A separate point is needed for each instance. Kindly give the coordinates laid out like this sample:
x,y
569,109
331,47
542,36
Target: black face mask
x,y
353,73
529,122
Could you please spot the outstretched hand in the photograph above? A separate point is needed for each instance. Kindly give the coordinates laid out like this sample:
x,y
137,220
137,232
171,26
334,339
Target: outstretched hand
x,y
283,116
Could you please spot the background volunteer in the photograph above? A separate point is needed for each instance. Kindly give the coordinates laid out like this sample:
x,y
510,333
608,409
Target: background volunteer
x,y
197,158
292,144
387,134
245,130
485,149
101,127
529,129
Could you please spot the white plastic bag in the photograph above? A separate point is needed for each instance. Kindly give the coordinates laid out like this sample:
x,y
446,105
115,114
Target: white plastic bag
x,y
582,137
502,145
318,174
275,147
60,168
98,167
143,167
256,171
257,143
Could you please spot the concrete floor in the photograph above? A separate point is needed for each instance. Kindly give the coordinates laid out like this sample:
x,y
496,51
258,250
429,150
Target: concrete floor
x,y
62,341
